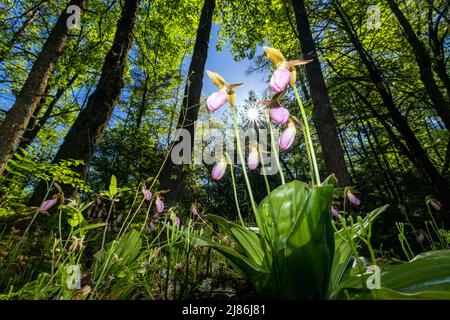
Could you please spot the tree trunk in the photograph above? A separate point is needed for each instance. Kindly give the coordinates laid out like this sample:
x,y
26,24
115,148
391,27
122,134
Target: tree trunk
x,y
191,101
16,120
143,104
423,60
324,119
33,128
84,135
437,46
423,163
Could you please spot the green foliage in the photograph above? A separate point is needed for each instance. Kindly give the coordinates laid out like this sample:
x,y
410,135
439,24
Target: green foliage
x,y
427,276
295,234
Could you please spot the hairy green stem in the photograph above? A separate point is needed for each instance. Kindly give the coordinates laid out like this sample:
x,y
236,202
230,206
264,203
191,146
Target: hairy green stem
x,y
275,148
241,157
235,195
308,140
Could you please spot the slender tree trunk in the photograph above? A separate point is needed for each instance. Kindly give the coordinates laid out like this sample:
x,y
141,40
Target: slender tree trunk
x,y
424,62
324,119
437,46
84,135
33,128
15,122
423,163
191,101
143,104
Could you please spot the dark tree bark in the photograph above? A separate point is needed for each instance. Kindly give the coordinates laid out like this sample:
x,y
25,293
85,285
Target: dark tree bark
x,y
437,45
324,119
423,163
35,126
143,104
191,101
15,122
84,135
424,62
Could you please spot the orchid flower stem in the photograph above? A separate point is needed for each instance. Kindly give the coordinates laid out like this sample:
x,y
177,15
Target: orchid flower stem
x,y
264,174
235,195
275,149
308,139
241,157
311,172
146,216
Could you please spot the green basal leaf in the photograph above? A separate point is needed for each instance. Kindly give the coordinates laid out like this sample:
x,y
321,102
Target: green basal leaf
x,y
310,247
425,277
254,272
249,242
278,212
88,227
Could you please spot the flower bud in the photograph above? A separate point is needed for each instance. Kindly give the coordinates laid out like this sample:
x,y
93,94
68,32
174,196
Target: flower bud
x,y
335,212
353,199
147,194
287,137
47,204
420,238
436,204
279,114
159,204
280,79
219,169
216,101
253,158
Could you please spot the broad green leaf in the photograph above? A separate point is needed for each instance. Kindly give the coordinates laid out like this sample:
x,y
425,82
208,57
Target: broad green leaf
x,y
278,212
248,241
88,227
425,277
119,253
255,273
310,247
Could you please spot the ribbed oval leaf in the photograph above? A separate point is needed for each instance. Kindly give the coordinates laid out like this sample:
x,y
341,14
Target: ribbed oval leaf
x,y
278,212
310,247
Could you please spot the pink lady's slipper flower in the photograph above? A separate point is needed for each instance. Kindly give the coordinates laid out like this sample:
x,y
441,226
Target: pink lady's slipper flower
x,y
287,137
159,204
216,101
436,204
335,212
47,204
280,79
353,199
219,168
195,212
147,193
225,94
420,238
253,158
279,114
285,72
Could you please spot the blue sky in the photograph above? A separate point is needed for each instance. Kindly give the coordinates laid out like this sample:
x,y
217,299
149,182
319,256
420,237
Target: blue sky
x,y
221,62
233,72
